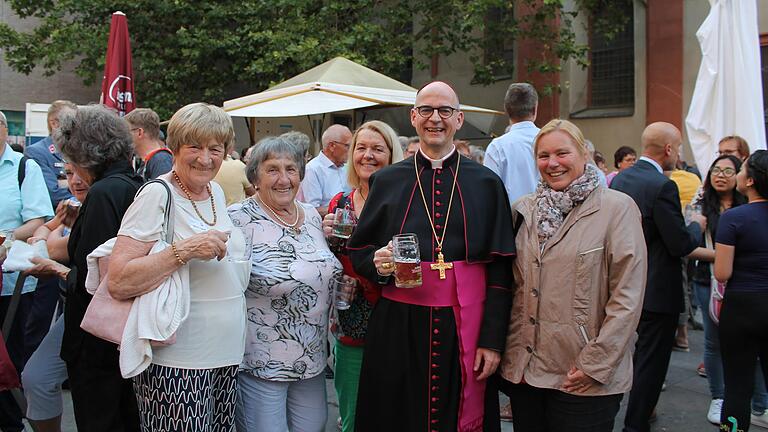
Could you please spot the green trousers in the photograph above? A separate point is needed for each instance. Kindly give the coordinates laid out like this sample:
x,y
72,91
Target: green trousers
x,y
347,377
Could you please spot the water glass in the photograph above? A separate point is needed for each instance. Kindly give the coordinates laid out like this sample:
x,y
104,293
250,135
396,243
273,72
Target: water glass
x,y
343,291
344,223
407,257
690,210
243,256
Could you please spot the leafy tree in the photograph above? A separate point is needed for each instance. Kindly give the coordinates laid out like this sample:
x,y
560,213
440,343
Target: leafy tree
x,y
186,51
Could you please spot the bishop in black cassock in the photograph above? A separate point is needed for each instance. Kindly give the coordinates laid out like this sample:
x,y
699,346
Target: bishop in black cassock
x,y
415,376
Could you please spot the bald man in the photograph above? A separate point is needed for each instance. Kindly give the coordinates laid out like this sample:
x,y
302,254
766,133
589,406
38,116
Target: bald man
x,y
430,348
325,175
668,239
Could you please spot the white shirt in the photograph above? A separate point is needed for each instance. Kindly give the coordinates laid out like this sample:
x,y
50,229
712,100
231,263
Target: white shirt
x,y
322,181
510,156
652,162
213,335
438,163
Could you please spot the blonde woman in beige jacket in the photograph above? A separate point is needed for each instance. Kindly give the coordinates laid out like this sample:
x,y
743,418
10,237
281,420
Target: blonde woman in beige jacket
x,y
581,270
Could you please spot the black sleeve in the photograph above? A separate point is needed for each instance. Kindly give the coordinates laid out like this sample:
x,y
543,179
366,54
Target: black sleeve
x,y
678,239
372,233
498,303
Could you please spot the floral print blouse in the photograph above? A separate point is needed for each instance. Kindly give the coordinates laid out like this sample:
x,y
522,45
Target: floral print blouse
x,y
288,296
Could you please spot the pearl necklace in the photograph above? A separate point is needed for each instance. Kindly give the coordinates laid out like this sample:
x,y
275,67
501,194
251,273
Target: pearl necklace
x,y
281,220
194,206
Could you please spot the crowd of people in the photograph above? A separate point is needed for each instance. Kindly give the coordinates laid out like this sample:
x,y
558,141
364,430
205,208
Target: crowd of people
x,y
441,274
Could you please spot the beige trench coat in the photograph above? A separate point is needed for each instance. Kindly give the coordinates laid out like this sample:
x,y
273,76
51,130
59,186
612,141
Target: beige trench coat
x,y
579,300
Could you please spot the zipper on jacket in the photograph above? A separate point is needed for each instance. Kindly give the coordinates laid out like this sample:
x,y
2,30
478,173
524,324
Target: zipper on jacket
x,y
591,250
584,335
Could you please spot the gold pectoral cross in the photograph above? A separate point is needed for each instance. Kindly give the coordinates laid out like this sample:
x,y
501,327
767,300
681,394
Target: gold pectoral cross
x,y
441,265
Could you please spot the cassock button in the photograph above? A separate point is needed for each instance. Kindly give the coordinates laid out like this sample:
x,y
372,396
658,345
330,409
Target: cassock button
x,y
434,410
438,203
438,227
437,192
529,349
434,421
435,366
434,388
434,399
435,377
437,215
437,320
439,171
436,331
438,181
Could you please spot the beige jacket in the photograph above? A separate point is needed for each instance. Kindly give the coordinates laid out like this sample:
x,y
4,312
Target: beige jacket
x,y
578,302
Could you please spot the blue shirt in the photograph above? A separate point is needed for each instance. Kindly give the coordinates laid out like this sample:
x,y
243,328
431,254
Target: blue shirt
x,y
744,228
52,164
510,156
18,206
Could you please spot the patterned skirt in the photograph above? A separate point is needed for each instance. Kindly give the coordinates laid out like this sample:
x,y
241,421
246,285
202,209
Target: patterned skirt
x,y
185,400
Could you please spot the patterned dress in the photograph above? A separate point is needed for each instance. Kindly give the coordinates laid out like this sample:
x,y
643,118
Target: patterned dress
x,y
288,297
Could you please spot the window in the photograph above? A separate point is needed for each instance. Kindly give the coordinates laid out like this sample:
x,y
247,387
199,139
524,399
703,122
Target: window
x,y
499,53
612,67
764,71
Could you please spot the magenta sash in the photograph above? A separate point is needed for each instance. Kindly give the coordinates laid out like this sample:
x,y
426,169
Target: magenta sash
x,y
463,289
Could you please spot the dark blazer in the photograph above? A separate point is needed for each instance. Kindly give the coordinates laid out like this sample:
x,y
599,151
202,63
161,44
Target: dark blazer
x,y
666,236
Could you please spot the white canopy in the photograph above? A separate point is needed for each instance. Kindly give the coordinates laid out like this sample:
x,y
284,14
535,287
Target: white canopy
x,y
728,97
337,85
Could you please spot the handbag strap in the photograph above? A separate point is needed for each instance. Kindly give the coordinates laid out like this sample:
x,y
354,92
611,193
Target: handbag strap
x,y
168,217
710,245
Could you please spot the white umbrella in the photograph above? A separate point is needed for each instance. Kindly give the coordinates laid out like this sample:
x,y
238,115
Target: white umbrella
x,y
728,97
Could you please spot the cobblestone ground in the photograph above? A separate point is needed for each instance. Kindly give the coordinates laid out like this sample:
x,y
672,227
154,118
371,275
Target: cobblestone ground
x,y
682,408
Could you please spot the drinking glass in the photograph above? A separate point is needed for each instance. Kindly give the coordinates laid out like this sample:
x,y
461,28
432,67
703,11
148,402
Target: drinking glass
x,y
405,249
344,223
690,210
245,255
343,290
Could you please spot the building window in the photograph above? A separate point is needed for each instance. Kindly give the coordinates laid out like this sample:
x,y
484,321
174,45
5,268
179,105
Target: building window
x,y
764,72
499,53
612,67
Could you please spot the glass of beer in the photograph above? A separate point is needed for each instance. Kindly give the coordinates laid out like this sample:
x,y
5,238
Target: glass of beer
x,y
343,290
344,223
407,260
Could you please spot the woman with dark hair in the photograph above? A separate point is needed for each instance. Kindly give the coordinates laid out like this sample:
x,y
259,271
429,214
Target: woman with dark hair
x,y
719,194
98,145
624,158
741,251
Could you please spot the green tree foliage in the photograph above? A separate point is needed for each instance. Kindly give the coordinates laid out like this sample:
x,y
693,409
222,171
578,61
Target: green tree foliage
x,y
186,51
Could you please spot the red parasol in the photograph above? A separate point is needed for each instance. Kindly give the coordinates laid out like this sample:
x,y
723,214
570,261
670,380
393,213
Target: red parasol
x,y
117,86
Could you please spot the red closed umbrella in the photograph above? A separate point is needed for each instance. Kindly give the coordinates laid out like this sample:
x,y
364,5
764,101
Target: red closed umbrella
x,y
117,86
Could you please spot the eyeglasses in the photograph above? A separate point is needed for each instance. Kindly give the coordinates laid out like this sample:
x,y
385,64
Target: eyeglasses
x,y
728,153
444,111
343,144
725,172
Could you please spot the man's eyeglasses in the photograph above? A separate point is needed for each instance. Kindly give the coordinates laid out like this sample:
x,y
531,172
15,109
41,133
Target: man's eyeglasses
x,y
444,111
343,144
727,152
725,172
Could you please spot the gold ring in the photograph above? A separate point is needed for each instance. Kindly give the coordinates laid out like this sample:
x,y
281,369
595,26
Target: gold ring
x,y
386,265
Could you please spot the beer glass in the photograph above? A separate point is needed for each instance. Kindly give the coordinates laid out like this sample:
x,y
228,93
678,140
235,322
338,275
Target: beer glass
x,y
405,249
344,223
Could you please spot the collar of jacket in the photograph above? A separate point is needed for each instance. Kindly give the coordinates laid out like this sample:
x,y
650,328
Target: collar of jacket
x,y
526,206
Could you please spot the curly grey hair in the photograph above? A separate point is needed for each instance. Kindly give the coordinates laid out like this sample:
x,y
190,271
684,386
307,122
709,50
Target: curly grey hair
x,y
273,147
93,138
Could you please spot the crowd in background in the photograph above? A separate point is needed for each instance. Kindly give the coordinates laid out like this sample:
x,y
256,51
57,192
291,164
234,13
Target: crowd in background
x,y
236,278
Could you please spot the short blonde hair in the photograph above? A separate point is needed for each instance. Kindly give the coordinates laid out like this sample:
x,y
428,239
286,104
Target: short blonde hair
x,y
197,123
390,137
569,129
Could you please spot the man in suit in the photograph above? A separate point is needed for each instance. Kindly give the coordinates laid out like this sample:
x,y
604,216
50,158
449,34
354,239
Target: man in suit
x,y
668,239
